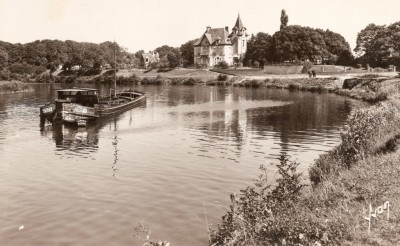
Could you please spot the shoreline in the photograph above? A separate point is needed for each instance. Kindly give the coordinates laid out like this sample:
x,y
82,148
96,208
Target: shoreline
x,y
367,91
13,86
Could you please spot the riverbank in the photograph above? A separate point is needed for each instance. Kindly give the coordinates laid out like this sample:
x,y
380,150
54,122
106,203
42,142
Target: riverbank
x,y
358,175
12,86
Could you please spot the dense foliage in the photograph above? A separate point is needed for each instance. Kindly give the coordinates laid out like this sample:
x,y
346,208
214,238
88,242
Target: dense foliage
x,y
170,57
259,49
187,52
35,57
296,44
379,46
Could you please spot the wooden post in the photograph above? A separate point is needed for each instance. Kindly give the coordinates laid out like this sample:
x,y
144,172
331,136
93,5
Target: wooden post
x,y
115,72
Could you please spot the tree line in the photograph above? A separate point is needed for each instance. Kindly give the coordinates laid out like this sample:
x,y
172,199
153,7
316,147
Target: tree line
x,y
379,45
18,61
36,57
376,46
295,43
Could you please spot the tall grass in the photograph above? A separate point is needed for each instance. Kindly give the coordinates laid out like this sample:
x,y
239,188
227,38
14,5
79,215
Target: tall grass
x,y
307,84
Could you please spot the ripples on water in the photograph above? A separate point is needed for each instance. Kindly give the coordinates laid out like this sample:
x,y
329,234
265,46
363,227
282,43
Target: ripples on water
x,y
171,163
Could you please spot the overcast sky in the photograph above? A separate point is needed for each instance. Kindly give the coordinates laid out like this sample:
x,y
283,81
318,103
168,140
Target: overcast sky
x,y
148,24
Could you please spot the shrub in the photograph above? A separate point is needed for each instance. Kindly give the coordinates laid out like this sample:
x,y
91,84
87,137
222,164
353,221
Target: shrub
x,y
251,83
91,72
223,65
12,86
256,64
222,77
39,70
45,78
21,68
351,83
132,79
294,86
200,66
5,74
263,215
191,81
146,81
365,132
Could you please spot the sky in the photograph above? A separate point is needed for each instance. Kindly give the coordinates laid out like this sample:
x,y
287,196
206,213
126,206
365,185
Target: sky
x,y
148,24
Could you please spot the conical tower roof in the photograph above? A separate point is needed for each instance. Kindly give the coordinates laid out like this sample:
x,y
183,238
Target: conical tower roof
x,y
239,24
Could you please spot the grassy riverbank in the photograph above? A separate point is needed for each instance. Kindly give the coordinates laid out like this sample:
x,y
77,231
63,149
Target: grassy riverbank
x,y
362,171
12,86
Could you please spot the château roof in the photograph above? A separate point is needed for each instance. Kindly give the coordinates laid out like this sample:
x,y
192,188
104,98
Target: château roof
x,y
215,36
239,24
238,29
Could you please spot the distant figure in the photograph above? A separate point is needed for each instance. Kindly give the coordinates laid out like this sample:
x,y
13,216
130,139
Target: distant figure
x,y
309,73
314,74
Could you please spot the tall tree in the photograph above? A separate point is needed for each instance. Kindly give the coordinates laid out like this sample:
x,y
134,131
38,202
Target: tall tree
x,y
296,43
187,52
259,49
164,50
284,19
379,45
365,36
173,60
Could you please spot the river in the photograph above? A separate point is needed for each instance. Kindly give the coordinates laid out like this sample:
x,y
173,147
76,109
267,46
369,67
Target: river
x,y
169,164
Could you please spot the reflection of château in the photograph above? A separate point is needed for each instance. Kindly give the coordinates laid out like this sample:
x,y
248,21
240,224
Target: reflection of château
x,y
73,138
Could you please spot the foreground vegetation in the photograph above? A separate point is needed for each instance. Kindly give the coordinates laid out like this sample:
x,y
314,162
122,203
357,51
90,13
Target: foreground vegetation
x,y
12,86
362,171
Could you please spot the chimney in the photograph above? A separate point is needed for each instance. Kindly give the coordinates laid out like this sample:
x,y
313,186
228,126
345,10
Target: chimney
x,y
227,29
208,29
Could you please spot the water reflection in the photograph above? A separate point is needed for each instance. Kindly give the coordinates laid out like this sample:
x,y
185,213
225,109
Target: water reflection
x,y
80,140
114,165
189,146
227,121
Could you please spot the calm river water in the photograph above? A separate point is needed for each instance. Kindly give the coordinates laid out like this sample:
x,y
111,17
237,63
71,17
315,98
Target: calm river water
x,y
170,164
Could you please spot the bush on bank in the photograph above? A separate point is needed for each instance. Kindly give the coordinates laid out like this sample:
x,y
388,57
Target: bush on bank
x,y
12,86
362,171
370,89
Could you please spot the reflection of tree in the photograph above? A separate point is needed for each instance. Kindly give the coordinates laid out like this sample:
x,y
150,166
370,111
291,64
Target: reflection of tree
x,y
309,112
114,165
